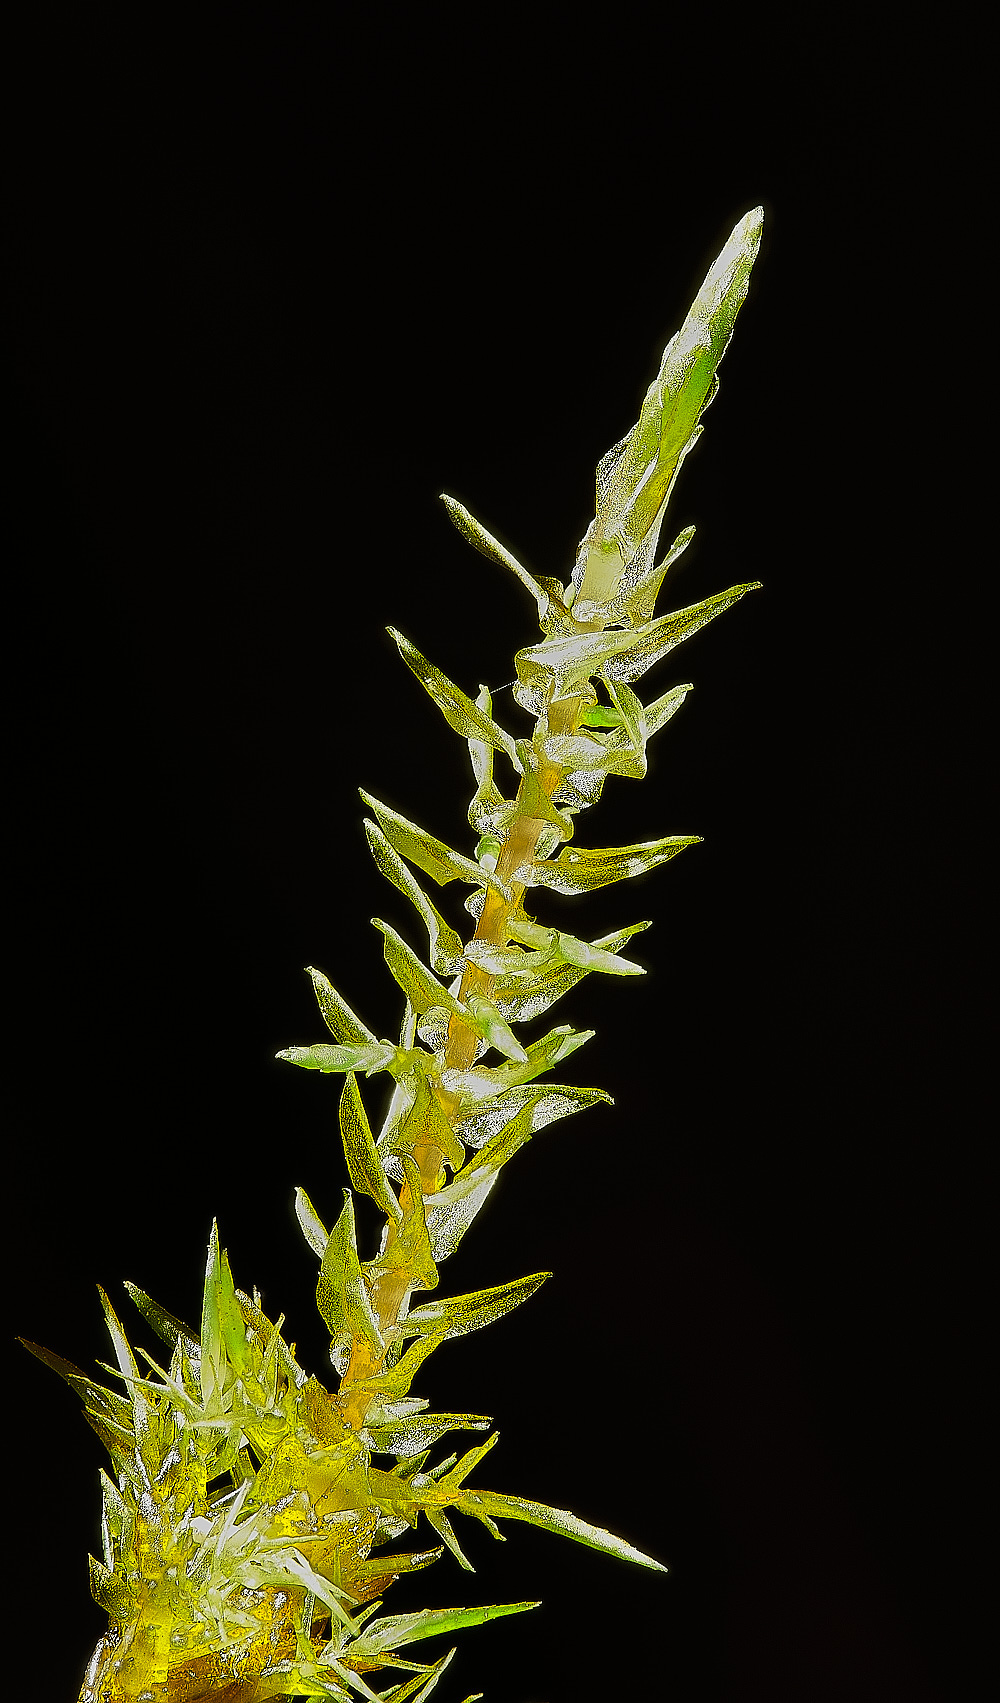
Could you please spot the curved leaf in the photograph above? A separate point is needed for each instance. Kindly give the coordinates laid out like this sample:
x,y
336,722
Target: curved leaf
x,y
459,711
576,870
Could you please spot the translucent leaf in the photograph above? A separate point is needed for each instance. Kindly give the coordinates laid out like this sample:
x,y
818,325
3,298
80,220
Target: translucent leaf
x,y
443,1526
627,746
634,478
110,1591
429,854
587,956
445,944
483,1082
391,1630
363,1163
337,1015
425,1124
425,993
341,1295
311,1224
578,871
451,1209
422,1430
453,1480
167,1328
497,1128
421,987
635,599
559,1520
582,786
489,1023
458,709
408,1250
223,1332
534,801
460,1314
651,643
577,751
488,810
392,1567
335,1060
395,1381
417,1691
658,713
123,1353
485,542
521,997
500,1131
562,666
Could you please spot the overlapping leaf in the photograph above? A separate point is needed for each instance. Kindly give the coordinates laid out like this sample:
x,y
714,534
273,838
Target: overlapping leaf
x,y
564,665
635,477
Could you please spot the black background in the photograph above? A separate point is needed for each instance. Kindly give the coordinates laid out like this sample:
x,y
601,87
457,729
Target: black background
x,y
278,281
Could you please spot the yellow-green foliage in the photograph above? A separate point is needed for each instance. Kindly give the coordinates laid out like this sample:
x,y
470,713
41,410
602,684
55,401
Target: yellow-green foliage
x,y
249,1522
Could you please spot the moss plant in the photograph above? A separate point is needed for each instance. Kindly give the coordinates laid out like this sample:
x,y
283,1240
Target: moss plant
x,y
253,1517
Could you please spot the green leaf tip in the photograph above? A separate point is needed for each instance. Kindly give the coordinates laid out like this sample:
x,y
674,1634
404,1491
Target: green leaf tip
x,y
635,478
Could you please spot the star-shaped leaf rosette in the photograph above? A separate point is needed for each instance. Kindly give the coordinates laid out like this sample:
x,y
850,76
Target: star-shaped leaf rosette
x,y
252,1517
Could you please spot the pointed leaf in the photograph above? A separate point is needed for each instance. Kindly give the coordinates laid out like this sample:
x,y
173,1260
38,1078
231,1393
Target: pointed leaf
x,y
488,810
482,1082
425,992
123,1353
337,1015
443,1526
445,944
168,1329
635,599
392,1630
335,1060
458,709
627,746
658,713
421,987
522,995
341,1294
395,1381
559,1520
485,542
56,1363
502,1125
634,478
486,1019
425,1124
311,1224
508,1123
419,1689
651,643
420,1431
110,1591
563,665
459,1314
363,1163
578,871
468,1463
408,1250
429,854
